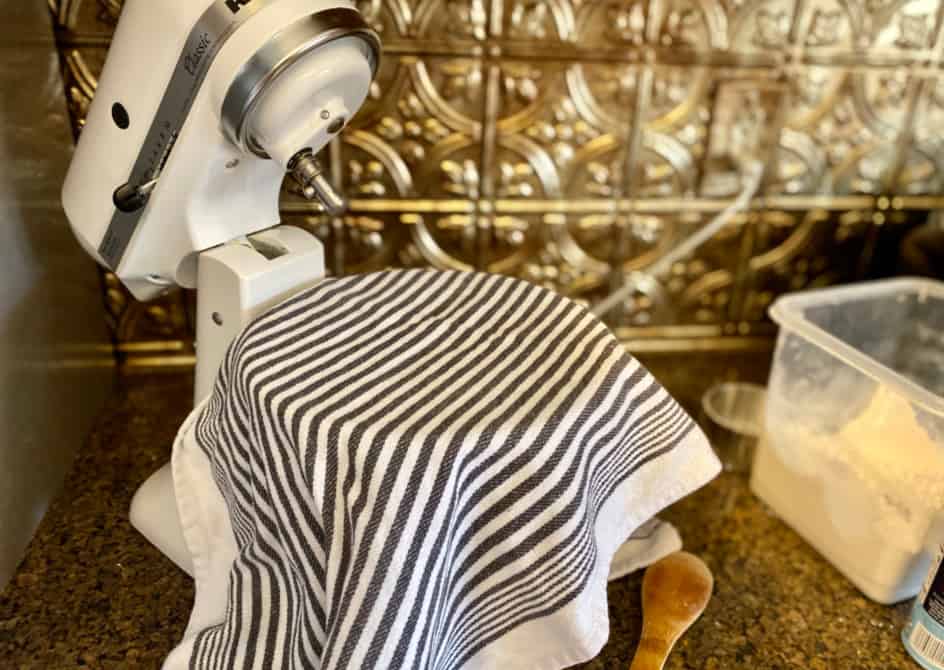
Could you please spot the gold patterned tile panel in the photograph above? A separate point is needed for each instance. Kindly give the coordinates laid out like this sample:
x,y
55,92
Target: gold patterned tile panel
x,y
86,18
460,24
571,142
792,251
891,26
80,70
845,131
544,21
698,290
391,20
424,119
762,26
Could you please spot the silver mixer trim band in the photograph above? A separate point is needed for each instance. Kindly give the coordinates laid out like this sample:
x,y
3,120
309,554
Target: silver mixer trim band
x,y
207,37
280,53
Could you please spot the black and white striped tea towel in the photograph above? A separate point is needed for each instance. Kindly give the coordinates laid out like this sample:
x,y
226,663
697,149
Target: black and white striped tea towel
x,y
422,469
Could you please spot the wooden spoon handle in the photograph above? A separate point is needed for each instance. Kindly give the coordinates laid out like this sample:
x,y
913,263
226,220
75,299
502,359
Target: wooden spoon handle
x,y
651,654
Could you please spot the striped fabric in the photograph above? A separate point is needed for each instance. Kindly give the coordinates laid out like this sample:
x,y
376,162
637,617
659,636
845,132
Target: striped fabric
x,y
426,469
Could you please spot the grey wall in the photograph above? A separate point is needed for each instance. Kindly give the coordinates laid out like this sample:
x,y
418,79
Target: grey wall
x,y
55,359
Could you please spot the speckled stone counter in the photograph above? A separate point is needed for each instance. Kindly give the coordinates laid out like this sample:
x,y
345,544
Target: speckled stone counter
x,y
92,593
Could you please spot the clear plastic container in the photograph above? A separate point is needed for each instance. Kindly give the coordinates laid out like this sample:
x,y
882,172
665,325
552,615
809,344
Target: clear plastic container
x,y
734,420
853,450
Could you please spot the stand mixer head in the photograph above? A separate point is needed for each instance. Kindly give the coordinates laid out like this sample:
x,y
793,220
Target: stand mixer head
x,y
199,112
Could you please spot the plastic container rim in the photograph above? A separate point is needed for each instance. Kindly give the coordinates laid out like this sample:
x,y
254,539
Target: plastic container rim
x,y
787,313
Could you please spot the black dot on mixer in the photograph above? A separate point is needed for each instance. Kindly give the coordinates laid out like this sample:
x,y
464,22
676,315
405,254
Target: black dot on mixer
x,y
120,115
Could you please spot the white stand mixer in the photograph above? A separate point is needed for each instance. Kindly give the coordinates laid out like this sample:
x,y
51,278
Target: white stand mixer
x,y
200,110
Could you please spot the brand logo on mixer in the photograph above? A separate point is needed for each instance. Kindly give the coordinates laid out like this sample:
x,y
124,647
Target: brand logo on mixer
x,y
234,5
192,59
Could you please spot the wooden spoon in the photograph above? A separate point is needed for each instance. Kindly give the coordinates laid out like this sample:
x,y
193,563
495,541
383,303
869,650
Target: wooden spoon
x,y
675,591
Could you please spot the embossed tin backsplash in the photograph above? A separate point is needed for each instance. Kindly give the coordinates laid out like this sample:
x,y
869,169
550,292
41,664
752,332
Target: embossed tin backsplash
x,y
570,142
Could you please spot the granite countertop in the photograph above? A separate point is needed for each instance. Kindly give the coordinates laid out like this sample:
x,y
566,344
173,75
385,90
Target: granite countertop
x,y
93,593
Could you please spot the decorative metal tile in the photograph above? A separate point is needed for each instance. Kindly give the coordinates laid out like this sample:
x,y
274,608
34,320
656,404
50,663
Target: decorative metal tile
x,y
571,142
899,26
81,68
697,290
86,18
792,251
455,22
763,27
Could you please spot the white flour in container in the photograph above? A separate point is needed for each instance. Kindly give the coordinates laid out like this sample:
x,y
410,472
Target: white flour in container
x,y
882,474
